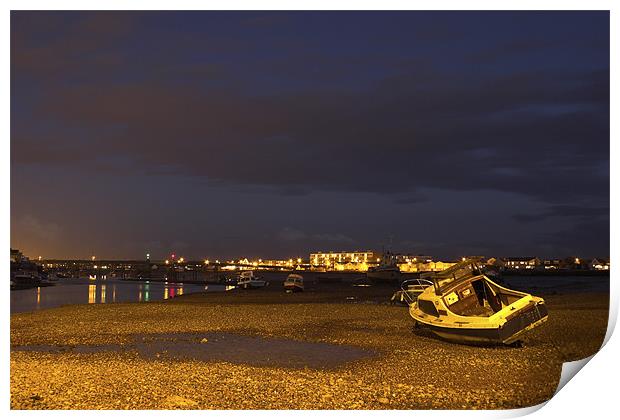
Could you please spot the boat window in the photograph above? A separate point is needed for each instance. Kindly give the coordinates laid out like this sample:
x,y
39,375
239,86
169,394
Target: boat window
x,y
427,307
451,298
444,279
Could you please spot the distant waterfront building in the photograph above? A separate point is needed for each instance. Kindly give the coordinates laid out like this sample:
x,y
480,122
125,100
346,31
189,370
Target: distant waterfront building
x,y
574,263
552,264
363,260
410,258
416,266
599,264
518,263
291,263
345,259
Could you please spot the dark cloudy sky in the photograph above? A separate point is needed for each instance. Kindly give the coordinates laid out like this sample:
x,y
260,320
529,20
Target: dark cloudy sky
x,y
216,134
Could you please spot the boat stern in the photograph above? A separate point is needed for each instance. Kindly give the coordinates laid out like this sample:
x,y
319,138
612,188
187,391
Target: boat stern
x,y
526,319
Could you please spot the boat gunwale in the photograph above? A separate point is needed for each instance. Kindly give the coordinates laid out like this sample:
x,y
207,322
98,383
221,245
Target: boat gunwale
x,y
483,322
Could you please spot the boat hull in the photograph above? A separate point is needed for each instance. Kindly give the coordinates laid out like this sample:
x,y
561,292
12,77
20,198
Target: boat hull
x,y
256,284
294,288
507,333
385,275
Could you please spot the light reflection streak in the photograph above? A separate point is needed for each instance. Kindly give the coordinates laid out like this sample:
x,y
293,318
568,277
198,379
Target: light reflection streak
x,y
92,293
105,293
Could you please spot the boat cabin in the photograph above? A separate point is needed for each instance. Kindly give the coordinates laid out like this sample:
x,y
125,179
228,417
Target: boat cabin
x,y
295,278
247,275
466,292
294,282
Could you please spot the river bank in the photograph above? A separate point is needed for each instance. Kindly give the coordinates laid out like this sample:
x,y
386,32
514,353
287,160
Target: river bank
x,y
143,355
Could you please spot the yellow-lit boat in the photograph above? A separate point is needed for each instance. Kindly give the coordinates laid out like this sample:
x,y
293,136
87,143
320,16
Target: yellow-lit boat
x,y
294,283
464,305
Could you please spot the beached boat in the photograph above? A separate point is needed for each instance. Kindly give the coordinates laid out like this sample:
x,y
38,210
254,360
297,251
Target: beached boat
x,y
387,270
294,283
464,305
227,280
25,274
26,279
409,291
247,280
362,282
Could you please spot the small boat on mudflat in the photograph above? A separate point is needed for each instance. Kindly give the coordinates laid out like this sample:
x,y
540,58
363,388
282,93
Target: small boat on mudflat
x,y
409,291
387,270
385,273
247,280
464,305
294,283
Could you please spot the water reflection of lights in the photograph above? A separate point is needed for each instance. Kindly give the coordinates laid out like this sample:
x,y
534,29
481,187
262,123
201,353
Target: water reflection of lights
x,y
140,294
172,290
104,292
92,293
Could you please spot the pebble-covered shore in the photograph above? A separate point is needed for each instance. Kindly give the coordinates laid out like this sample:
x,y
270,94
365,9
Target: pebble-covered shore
x,y
407,370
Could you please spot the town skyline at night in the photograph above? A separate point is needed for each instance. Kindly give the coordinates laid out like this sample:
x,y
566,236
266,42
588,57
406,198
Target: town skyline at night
x,y
276,134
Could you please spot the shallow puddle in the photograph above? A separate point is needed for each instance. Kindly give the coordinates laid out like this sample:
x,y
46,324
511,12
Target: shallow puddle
x,y
234,348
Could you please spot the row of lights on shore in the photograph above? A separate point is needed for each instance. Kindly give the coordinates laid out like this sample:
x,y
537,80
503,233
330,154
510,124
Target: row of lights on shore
x,y
181,260
207,262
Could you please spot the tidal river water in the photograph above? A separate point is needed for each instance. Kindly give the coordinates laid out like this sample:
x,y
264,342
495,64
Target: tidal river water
x,y
84,291
80,291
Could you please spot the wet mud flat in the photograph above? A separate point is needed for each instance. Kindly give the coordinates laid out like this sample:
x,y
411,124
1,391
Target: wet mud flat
x,y
222,347
269,350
